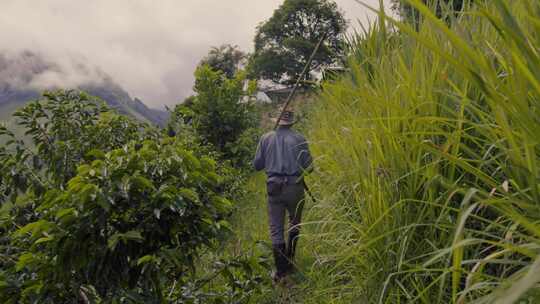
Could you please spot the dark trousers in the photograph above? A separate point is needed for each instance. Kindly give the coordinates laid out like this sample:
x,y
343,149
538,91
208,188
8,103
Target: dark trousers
x,y
289,200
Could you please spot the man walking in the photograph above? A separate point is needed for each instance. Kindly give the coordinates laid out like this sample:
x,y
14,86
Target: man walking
x,y
284,155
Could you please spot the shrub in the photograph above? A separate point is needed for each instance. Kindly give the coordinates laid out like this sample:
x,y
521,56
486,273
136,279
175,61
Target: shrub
x,y
101,207
219,115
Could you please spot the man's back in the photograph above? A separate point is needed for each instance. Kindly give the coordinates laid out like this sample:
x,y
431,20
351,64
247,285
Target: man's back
x,y
282,152
284,155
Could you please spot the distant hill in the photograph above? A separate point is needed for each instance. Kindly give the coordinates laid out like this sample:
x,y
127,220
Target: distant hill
x,y
24,76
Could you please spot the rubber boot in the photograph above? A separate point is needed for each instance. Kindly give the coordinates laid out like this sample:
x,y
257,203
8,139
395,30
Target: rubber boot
x,y
280,259
291,250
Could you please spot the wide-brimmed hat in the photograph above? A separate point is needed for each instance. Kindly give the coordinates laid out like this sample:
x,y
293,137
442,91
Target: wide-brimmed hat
x,y
287,118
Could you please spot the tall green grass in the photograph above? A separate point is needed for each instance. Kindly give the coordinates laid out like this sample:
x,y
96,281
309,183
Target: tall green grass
x,y
427,157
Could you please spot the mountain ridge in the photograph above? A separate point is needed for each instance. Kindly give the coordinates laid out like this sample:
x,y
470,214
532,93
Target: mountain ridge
x,y
25,75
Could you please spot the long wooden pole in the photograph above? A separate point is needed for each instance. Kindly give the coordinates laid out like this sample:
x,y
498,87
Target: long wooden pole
x,y
304,72
291,95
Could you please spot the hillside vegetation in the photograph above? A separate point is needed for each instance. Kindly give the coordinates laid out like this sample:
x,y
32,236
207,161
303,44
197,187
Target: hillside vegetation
x,y
426,186
100,208
427,158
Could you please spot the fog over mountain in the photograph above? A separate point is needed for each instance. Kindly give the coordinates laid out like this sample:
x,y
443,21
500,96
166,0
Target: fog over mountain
x,y
27,70
150,48
24,75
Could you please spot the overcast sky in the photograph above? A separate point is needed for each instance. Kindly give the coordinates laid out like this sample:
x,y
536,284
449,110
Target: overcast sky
x,y
150,47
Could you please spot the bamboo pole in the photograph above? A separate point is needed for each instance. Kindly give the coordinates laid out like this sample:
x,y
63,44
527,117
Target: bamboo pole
x,y
304,72
291,95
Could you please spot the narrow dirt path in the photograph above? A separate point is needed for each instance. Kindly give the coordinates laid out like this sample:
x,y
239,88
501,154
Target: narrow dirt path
x,y
250,225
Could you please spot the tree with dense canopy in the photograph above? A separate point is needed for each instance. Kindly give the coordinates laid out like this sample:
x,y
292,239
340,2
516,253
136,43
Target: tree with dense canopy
x,y
219,114
284,43
226,58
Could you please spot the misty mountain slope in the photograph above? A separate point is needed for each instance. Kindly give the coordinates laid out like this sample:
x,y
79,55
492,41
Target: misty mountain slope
x,y
25,75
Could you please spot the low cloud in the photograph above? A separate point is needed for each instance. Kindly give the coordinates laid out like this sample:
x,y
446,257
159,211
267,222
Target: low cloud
x,y
149,47
28,70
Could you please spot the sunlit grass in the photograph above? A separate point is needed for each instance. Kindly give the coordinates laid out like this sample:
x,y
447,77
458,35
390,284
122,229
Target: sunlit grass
x,y
427,163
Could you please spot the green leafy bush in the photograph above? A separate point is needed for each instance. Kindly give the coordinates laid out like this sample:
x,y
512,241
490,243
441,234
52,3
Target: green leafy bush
x,y
220,115
100,208
60,130
127,215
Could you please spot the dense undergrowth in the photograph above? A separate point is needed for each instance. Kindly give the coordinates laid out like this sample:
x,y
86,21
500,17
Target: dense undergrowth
x,y
427,158
96,207
426,184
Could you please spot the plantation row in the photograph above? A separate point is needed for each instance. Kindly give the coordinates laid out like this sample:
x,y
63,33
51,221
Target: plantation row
x,y
98,207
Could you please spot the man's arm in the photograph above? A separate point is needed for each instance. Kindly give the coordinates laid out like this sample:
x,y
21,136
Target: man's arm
x,y
259,161
305,160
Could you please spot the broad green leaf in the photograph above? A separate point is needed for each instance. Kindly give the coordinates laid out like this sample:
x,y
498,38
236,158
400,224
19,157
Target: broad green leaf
x,y
24,260
189,194
44,240
146,259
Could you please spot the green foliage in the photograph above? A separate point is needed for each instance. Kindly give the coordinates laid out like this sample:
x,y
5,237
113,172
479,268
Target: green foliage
x,y
284,43
443,8
127,215
63,127
225,58
104,210
229,279
241,151
427,176
220,114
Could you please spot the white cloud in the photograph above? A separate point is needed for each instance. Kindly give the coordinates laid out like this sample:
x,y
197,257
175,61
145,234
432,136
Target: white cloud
x,y
150,47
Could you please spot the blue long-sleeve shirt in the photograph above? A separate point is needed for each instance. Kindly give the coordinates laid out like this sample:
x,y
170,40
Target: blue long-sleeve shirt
x,y
282,152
